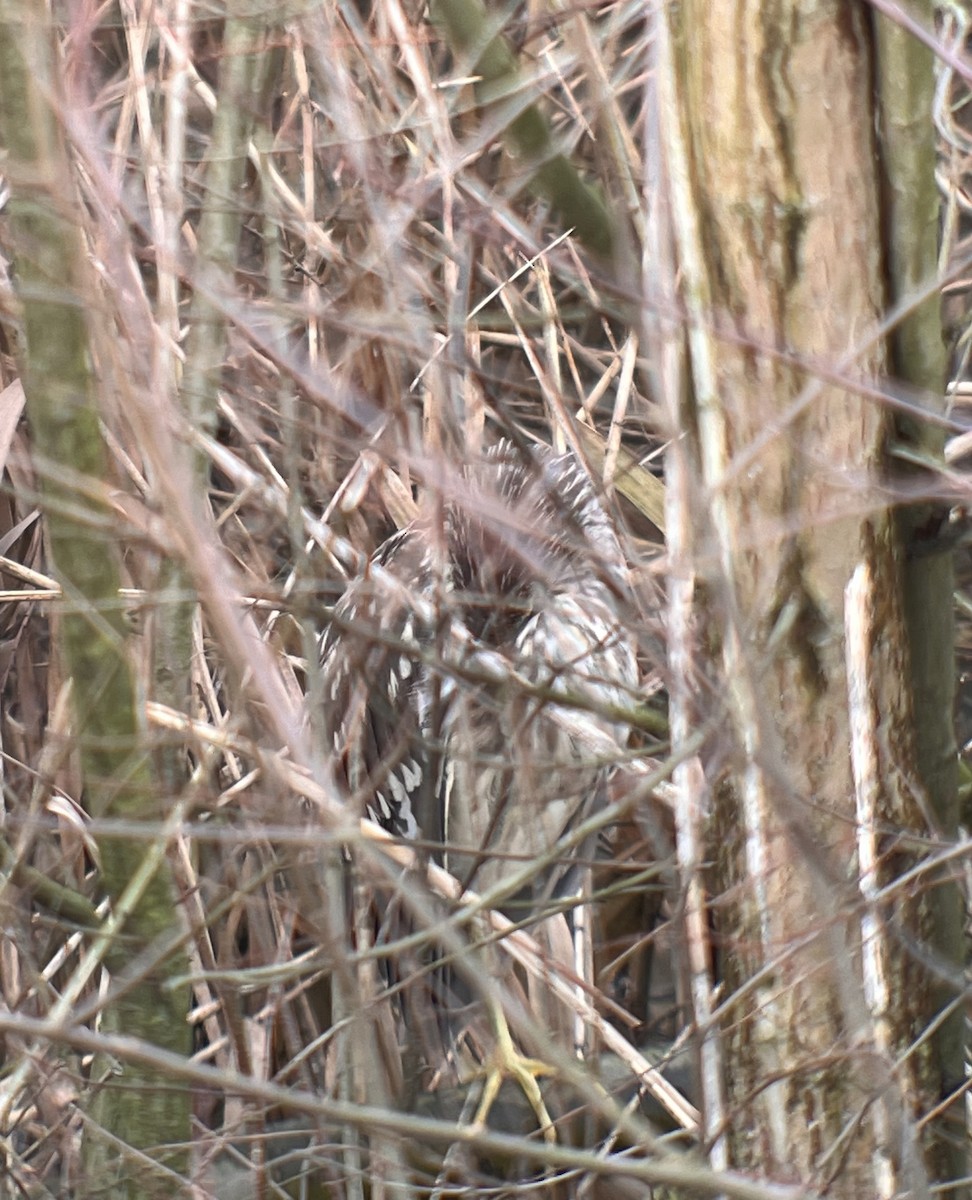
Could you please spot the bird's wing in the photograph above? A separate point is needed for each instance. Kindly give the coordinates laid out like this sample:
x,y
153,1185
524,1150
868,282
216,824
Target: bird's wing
x,y
370,659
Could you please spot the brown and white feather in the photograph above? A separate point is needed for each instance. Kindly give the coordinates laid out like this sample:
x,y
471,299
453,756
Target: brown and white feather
x,y
524,564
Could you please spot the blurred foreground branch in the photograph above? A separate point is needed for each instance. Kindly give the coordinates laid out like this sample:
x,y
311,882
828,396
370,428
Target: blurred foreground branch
x,y
469,31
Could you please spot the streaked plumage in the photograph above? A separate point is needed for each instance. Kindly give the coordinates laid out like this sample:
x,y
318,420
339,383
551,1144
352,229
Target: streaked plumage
x,y
519,573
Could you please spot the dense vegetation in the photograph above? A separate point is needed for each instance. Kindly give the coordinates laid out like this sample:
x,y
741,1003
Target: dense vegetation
x,y
272,281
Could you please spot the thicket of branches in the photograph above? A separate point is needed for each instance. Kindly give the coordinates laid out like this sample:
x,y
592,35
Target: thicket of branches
x,y
270,278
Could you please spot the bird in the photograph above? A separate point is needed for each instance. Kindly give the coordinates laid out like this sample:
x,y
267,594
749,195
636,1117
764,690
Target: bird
x,y
476,670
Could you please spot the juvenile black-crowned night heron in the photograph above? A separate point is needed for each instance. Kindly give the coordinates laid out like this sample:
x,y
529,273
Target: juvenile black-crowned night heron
x,y
473,673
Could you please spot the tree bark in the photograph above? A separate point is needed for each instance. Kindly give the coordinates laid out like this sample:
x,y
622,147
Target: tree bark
x,y
776,190
905,83
139,1108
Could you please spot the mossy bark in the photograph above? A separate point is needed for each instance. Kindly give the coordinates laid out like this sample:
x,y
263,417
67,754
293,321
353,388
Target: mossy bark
x,y
905,85
139,1108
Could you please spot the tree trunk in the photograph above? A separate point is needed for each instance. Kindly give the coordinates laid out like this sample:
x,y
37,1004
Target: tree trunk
x,y
140,1107
771,139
